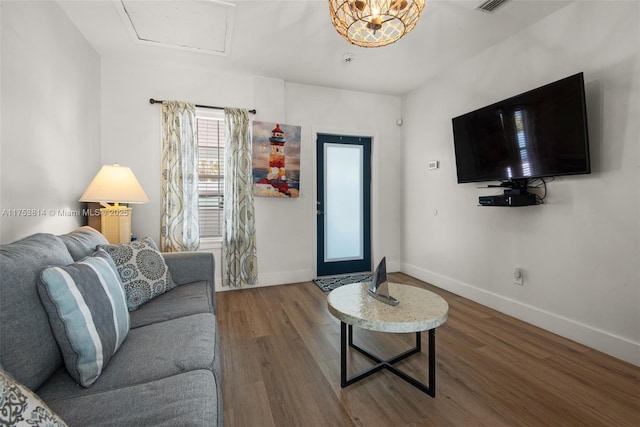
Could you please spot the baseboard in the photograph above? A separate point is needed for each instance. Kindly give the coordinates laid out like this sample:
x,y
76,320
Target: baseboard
x,y
285,277
274,279
597,339
393,266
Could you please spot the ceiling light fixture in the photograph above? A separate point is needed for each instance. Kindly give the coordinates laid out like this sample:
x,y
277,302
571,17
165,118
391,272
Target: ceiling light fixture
x,y
374,23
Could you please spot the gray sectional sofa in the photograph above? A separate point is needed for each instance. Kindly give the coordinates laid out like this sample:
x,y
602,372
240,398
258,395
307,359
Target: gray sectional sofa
x,y
166,372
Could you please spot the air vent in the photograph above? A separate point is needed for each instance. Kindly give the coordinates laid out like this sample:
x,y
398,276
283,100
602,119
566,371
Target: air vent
x,y
490,6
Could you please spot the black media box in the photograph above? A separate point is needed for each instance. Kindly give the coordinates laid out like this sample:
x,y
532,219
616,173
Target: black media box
x,y
494,200
508,200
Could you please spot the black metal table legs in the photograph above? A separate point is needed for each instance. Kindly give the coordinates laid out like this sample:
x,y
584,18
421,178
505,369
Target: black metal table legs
x,y
346,338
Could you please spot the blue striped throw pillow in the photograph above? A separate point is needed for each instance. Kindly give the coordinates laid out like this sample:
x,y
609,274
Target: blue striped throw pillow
x,y
88,313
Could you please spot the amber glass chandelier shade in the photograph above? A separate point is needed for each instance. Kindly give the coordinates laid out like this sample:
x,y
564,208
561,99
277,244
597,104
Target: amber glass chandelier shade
x,y
374,23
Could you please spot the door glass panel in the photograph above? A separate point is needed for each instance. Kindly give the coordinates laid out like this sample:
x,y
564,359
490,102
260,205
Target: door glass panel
x,y
343,202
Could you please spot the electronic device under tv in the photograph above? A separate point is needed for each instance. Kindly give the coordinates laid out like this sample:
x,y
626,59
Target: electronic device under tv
x,y
537,134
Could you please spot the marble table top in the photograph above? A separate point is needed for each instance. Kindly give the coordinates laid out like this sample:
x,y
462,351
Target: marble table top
x,y
418,310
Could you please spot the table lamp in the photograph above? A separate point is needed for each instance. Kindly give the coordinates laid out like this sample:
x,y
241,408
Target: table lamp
x,y
115,184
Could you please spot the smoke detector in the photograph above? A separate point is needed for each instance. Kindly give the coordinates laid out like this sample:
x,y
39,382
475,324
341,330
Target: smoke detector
x,y
347,58
490,6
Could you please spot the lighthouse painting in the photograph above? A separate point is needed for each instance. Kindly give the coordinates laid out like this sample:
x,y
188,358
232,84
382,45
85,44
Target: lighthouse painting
x,y
276,159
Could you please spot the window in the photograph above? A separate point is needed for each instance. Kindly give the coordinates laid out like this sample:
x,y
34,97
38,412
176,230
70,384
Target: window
x,y
521,123
210,135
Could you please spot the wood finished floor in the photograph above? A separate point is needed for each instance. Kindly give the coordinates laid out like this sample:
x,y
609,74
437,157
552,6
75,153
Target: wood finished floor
x,y
281,367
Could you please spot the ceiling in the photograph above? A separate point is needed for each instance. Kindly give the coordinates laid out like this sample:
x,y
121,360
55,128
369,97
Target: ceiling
x,y
294,39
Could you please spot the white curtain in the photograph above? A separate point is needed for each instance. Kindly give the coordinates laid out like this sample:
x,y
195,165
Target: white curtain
x,y
179,229
240,252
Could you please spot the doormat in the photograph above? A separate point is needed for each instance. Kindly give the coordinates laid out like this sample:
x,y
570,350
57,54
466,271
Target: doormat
x,y
330,283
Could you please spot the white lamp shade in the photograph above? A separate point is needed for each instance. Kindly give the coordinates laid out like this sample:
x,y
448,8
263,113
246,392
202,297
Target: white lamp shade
x,y
114,183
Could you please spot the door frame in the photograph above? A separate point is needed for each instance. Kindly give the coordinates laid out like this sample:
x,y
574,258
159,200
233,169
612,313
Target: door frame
x,y
365,133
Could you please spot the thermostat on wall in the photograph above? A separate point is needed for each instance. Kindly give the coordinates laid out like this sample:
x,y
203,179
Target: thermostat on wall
x,y
434,164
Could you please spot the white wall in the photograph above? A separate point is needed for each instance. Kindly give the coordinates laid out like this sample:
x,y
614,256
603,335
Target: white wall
x,y
285,227
131,125
50,137
580,250
323,110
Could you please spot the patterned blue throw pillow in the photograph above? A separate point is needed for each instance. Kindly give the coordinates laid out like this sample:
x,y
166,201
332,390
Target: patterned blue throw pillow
x,y
142,270
87,310
20,406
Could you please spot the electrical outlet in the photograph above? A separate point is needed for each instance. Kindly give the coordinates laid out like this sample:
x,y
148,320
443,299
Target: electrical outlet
x,y
518,276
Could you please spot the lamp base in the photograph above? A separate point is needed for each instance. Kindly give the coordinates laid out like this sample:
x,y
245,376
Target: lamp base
x,y
115,224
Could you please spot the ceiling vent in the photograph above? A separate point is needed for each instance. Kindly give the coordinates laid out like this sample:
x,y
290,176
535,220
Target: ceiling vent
x,y
490,6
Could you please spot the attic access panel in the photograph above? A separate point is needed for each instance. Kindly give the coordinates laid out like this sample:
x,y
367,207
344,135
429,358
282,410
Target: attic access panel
x,y
196,25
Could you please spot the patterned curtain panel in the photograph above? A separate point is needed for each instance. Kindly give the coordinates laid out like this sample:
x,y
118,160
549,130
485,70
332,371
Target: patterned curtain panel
x,y
239,222
179,229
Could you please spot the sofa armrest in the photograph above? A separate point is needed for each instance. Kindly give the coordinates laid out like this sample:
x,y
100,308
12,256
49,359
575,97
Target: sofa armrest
x,y
188,267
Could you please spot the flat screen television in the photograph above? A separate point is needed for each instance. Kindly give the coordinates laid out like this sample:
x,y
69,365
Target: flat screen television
x,y
539,133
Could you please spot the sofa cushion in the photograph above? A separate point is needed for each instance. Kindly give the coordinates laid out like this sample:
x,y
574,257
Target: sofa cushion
x,y
87,310
28,349
149,353
20,406
142,269
83,242
184,300
187,399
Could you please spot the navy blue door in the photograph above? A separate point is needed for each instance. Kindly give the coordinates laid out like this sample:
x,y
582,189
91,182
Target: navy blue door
x,y
343,205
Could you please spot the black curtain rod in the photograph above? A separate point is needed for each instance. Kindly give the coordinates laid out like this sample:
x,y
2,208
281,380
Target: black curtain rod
x,y
157,101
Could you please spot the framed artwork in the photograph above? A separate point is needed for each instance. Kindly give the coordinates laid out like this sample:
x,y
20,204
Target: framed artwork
x,y
276,160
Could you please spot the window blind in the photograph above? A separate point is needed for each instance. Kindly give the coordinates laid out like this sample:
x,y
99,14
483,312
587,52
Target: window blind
x,y
210,135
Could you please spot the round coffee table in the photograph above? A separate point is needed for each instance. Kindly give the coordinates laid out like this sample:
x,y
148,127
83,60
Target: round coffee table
x,y
419,310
